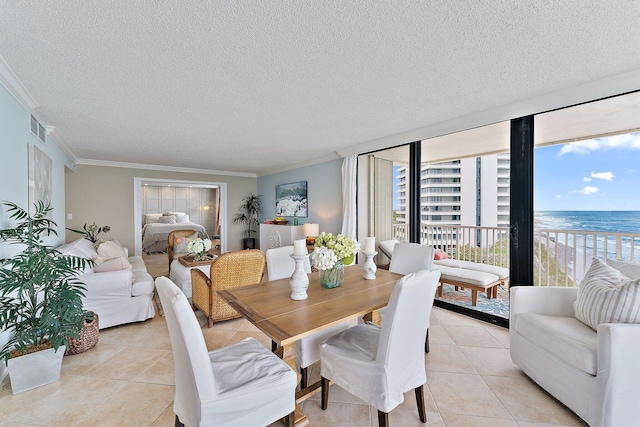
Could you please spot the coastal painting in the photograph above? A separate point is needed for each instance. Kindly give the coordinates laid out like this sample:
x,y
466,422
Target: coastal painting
x,y
291,199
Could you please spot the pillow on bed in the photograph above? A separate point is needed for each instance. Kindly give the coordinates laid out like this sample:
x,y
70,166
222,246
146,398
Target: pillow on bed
x,y
173,213
169,219
182,218
151,218
440,254
180,243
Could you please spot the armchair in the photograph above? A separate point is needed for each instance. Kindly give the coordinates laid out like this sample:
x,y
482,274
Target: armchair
x,y
595,374
229,270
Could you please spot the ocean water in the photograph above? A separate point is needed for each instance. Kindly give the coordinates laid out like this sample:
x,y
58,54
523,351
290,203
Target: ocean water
x,y
626,223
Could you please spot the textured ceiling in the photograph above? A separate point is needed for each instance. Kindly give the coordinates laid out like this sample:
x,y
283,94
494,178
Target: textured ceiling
x,y
254,86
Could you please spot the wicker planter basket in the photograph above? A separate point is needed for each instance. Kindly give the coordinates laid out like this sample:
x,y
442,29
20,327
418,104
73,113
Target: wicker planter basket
x,y
88,338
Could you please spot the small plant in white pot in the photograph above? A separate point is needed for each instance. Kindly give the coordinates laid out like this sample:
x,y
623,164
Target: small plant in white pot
x,y
40,300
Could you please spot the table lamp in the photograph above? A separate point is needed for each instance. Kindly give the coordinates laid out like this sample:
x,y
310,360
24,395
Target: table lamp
x,y
311,231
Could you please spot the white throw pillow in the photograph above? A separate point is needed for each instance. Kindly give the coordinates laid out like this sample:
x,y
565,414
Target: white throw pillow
x,y
629,269
182,219
607,296
108,250
151,218
169,219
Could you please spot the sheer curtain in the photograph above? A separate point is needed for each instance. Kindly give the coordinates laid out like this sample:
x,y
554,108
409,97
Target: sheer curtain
x,y
349,195
381,201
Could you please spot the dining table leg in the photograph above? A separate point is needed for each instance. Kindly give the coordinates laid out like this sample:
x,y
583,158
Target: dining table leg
x,y
288,353
373,317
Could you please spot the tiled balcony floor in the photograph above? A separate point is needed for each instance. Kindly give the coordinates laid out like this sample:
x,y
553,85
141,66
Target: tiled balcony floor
x,y
128,379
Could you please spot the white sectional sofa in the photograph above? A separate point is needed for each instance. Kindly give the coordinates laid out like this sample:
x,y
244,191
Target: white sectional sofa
x,y
119,297
596,374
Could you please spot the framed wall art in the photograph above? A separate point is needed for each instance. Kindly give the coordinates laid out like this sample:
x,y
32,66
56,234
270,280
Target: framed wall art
x,y
39,178
291,199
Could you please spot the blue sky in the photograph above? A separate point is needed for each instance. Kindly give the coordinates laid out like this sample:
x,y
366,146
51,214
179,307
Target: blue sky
x,y
596,174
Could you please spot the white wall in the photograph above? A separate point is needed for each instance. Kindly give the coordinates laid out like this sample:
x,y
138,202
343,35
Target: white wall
x,y
15,138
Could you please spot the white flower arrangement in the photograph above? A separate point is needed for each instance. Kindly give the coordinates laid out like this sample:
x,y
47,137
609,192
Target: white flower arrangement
x,y
330,249
198,246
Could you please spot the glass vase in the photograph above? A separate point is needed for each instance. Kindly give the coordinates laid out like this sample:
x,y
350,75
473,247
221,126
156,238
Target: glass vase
x,y
332,277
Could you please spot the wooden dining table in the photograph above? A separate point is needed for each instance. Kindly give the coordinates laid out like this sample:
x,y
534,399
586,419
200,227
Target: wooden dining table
x,y
269,307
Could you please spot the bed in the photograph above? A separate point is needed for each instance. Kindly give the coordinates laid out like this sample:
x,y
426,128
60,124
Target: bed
x,y
158,226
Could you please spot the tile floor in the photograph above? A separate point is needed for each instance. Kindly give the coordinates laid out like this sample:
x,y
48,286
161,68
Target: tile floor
x,y
128,379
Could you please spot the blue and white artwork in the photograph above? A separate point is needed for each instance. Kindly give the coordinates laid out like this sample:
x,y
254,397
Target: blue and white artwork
x,y
291,199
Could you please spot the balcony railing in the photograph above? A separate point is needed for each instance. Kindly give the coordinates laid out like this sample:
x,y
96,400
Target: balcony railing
x,y
561,257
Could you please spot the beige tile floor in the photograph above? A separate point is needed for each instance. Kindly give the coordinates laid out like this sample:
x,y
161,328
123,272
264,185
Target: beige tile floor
x,y
128,379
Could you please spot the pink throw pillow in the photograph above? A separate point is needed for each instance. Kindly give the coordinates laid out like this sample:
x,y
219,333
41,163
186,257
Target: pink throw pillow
x,y
113,264
440,254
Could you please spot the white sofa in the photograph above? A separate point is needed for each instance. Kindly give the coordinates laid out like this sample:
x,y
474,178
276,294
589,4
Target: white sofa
x,y
595,374
119,297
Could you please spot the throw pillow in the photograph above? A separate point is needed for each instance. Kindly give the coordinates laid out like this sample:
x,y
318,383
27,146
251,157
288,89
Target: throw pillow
x,y
180,219
606,295
629,269
180,243
440,254
113,264
169,219
108,250
151,218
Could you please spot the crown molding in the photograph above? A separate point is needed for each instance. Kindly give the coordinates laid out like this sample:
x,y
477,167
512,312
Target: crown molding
x,y
304,164
53,133
15,87
91,162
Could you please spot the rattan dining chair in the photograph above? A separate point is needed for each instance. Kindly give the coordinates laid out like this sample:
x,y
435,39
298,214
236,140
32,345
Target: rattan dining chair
x,y
281,265
229,270
378,364
242,384
171,242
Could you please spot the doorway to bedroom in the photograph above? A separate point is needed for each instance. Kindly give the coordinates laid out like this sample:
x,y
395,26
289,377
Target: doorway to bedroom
x,y
196,205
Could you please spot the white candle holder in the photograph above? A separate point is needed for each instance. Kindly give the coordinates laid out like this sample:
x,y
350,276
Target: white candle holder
x,y
299,280
370,266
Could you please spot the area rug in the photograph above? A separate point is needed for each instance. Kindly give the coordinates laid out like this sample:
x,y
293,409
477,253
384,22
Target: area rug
x,y
497,306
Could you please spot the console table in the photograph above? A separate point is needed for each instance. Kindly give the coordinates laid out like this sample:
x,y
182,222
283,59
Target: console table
x,y
274,236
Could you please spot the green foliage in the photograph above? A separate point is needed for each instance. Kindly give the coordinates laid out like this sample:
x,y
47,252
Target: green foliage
x,y
497,254
40,295
90,232
248,214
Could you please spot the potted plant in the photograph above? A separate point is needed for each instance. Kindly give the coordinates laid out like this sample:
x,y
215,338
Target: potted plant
x,y
247,215
40,300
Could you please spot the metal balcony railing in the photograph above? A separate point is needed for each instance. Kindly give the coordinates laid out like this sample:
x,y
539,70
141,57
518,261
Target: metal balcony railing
x,y
561,257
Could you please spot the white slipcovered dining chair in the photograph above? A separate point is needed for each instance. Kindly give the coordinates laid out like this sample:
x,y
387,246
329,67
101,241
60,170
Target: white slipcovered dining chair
x,y
243,384
379,364
408,258
281,265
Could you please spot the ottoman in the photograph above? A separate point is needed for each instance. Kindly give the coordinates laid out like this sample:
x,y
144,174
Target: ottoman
x,y
181,275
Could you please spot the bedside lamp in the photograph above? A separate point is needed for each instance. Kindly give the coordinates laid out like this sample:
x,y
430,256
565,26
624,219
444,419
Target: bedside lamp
x,y
311,230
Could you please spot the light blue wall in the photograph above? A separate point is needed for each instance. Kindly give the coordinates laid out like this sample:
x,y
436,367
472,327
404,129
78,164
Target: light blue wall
x,y
324,193
15,138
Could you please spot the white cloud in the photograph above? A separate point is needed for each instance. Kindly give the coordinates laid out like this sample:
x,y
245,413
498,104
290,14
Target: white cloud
x,y
558,196
607,176
586,179
630,141
589,190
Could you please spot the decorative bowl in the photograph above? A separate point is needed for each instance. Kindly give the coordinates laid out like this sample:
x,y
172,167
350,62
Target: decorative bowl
x,y
281,222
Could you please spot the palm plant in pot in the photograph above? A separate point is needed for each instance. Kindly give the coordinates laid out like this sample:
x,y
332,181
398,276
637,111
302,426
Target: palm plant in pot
x,y
40,300
247,215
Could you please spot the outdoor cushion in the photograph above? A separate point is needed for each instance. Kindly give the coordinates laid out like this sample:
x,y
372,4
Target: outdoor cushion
x,y
501,272
472,277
